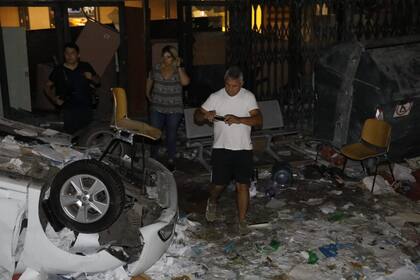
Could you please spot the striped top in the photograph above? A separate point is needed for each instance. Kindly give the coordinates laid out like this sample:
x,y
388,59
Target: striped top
x,y
166,94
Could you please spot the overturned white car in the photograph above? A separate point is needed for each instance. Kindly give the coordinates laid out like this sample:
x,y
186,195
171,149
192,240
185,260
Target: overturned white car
x,y
108,220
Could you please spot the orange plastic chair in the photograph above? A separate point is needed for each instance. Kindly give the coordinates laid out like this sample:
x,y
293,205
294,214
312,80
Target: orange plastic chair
x,y
127,130
374,143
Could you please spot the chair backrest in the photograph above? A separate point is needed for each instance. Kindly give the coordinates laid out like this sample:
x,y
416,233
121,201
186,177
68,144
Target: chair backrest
x,y
377,133
120,104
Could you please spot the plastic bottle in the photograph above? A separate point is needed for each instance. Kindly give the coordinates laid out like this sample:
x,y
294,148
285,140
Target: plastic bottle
x,y
313,258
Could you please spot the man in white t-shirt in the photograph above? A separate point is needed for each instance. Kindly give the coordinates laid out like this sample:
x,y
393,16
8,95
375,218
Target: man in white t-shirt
x,y
233,110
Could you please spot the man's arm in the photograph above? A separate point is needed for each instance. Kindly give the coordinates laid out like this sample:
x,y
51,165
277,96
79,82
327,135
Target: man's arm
x,y
91,75
96,80
93,78
202,116
255,119
49,91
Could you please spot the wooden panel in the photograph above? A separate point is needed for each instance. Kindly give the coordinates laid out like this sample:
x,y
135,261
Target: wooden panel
x,y
136,62
98,45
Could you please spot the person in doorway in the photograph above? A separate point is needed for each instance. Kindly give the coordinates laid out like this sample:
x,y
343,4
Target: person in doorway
x,y
70,86
164,91
233,110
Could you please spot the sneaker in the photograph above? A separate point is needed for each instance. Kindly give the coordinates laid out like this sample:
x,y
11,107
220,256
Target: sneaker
x,y
243,228
211,211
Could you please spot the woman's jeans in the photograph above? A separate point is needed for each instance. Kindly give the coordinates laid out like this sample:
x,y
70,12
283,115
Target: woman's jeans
x,y
171,123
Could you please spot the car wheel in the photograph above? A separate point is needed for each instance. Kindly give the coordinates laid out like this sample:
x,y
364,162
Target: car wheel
x,y
100,137
87,196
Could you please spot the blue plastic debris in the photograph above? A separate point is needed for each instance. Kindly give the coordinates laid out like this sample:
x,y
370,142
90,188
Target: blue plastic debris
x,y
330,250
229,247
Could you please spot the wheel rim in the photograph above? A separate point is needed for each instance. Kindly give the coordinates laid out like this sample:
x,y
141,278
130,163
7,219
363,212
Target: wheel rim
x,y
84,198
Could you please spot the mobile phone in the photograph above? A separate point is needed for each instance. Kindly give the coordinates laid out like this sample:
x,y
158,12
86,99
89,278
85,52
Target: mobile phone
x,y
219,118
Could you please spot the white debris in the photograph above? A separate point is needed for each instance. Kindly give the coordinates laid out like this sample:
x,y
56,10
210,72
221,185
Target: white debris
x,y
400,219
313,201
260,226
407,272
305,255
30,274
307,272
86,244
117,274
176,262
57,153
336,192
26,132
264,174
253,189
381,186
49,132
10,147
62,239
347,206
414,163
328,208
402,173
276,203
68,153
286,153
48,152
16,165
152,192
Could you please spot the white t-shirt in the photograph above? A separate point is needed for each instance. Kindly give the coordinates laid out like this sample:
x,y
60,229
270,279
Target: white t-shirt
x,y
236,136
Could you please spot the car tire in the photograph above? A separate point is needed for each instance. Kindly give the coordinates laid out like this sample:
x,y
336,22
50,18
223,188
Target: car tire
x,y
101,136
87,196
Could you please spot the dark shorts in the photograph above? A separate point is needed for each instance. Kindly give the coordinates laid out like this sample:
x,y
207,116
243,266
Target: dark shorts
x,y
228,165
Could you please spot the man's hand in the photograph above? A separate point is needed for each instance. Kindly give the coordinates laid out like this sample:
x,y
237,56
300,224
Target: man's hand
x,y
231,119
210,116
88,75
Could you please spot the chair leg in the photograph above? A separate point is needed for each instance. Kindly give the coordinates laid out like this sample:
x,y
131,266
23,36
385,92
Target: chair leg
x,y
108,148
133,155
317,152
143,152
376,172
390,169
363,167
344,164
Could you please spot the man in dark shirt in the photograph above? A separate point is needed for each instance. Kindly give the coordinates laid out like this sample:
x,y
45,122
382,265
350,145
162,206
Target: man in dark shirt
x,y
70,86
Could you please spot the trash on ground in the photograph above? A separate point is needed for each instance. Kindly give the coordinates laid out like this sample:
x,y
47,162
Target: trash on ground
x,y
402,173
381,185
276,203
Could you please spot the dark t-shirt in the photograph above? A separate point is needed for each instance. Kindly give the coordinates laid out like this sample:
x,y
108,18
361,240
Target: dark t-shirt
x,y
72,86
